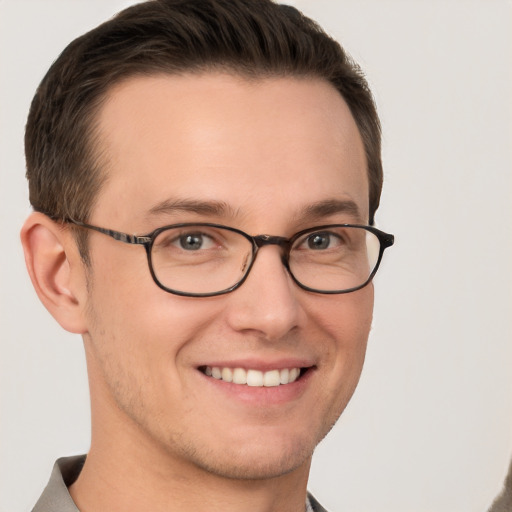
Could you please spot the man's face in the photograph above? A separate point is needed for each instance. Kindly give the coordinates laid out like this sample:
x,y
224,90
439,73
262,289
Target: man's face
x,y
258,156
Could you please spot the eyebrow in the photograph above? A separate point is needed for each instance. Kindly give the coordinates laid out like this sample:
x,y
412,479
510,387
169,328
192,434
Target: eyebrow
x,y
214,208
330,207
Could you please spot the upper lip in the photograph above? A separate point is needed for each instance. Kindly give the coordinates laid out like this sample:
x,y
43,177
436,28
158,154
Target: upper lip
x,y
259,364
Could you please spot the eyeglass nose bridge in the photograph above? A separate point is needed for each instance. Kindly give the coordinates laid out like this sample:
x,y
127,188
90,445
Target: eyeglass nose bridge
x,y
261,240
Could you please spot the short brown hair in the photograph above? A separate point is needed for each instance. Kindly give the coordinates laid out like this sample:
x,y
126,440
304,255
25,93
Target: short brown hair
x,y
252,38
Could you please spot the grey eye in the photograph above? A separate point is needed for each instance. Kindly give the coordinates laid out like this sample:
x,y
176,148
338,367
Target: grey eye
x,y
191,242
319,241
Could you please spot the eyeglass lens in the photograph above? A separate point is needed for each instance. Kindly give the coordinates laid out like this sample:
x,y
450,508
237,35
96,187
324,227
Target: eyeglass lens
x,y
207,260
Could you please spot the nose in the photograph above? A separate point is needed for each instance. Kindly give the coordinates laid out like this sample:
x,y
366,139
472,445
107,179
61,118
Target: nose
x,y
266,304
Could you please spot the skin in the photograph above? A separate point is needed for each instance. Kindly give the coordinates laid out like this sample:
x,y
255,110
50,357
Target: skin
x,y
267,150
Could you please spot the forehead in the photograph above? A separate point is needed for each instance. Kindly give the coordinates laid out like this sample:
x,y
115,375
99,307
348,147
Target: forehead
x,y
273,144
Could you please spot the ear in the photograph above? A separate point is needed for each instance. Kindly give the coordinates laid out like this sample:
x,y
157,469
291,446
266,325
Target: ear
x,y
56,270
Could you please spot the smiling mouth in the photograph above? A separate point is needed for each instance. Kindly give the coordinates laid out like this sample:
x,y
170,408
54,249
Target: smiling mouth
x,y
254,378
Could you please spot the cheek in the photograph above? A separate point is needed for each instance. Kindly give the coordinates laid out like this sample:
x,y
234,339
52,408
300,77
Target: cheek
x,y
141,326
343,323
346,322
137,344
347,318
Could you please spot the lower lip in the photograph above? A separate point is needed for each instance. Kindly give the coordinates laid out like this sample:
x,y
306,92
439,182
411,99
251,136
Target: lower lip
x,y
263,396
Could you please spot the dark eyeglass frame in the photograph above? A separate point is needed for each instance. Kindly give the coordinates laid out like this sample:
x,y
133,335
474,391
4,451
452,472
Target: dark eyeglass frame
x,y
386,240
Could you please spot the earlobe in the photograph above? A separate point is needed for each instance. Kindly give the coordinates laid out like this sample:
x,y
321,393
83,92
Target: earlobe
x,y
49,255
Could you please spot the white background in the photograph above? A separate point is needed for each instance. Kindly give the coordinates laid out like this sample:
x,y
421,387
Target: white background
x,y
430,427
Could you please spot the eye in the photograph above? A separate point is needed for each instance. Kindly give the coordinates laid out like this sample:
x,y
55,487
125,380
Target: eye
x,y
322,240
191,240
194,241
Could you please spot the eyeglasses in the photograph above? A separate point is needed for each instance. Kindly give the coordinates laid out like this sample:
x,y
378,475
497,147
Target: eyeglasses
x,y
203,259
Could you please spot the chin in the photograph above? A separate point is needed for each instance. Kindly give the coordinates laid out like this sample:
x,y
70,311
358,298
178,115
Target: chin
x,y
258,466
256,457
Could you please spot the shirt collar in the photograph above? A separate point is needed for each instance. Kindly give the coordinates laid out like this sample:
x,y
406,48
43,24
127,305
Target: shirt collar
x,y
56,495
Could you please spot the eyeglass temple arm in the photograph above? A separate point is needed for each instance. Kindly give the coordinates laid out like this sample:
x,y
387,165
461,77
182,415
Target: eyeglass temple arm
x,y
116,235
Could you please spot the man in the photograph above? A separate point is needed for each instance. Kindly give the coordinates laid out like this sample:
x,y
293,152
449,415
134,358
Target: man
x,y
240,146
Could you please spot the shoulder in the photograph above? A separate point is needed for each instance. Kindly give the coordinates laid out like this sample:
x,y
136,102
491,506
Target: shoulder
x,y
314,506
503,503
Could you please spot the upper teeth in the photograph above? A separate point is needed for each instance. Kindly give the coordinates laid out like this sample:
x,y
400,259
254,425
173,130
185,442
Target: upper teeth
x,y
253,377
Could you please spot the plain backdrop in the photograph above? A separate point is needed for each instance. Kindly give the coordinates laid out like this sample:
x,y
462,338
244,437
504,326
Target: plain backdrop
x,y
430,426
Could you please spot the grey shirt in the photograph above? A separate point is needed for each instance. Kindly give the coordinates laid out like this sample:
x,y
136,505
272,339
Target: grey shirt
x,y
56,498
